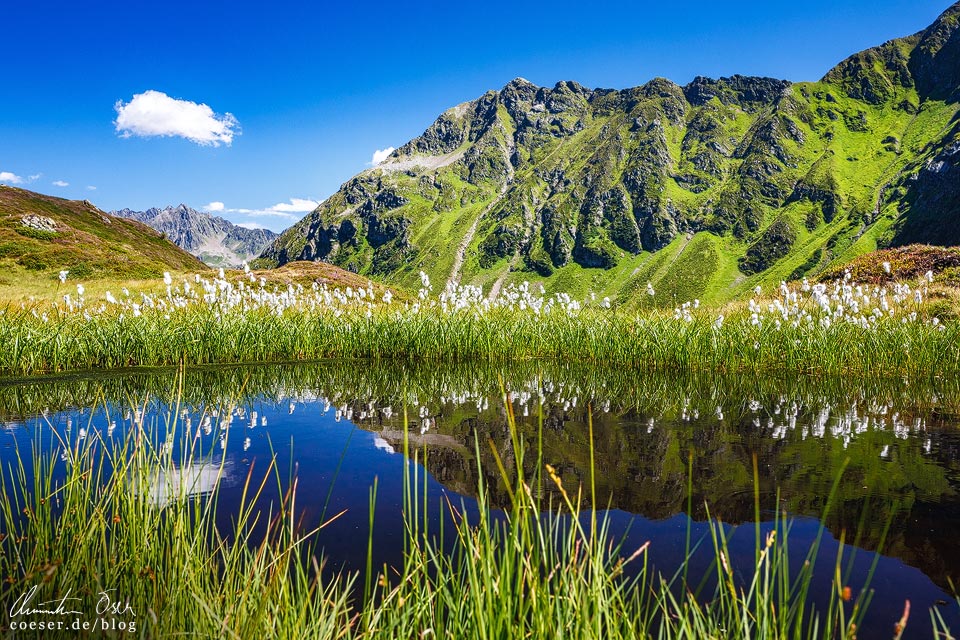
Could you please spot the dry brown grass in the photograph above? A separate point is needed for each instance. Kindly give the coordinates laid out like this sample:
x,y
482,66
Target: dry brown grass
x,y
906,263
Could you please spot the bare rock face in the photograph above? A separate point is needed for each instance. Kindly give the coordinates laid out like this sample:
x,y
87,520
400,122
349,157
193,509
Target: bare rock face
x,y
40,223
216,241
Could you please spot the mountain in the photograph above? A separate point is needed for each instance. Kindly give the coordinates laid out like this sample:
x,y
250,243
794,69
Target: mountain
x,y
42,235
705,190
216,241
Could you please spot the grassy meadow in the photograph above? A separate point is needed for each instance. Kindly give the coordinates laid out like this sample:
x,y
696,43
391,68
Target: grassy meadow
x,y
882,325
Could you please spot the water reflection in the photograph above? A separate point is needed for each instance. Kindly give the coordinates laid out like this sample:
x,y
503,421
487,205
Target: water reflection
x,y
172,483
336,426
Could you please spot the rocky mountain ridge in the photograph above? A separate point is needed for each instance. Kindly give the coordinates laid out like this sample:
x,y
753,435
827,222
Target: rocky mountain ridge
x,y
706,189
216,241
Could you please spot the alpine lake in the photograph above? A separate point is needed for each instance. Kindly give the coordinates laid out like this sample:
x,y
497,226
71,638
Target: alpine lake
x,y
665,453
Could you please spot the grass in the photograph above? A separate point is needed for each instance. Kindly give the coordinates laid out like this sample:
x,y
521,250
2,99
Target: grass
x,y
117,522
88,242
26,288
310,311
541,570
205,335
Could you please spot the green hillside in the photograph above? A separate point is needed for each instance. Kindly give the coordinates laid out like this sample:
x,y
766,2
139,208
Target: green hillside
x,y
704,190
42,235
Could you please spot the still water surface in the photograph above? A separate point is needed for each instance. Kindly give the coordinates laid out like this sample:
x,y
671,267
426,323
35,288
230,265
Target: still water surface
x,y
338,426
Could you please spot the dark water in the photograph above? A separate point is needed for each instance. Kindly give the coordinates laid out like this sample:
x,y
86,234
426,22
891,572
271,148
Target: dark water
x,y
338,426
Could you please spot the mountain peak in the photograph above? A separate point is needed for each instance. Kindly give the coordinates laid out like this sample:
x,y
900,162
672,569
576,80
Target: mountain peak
x,y
519,82
935,62
742,179
216,241
927,61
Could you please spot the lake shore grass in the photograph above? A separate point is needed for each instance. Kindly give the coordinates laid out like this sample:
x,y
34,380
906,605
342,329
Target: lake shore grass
x,y
886,327
122,520
68,342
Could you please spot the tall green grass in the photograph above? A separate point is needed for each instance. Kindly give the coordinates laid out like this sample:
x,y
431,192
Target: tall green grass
x,y
204,335
539,570
127,520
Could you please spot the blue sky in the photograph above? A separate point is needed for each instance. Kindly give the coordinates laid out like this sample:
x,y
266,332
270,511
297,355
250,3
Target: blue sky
x,y
314,90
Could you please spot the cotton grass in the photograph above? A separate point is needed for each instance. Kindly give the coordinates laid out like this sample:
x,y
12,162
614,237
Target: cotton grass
x,y
835,328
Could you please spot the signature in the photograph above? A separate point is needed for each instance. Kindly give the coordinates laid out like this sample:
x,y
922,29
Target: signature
x,y
106,605
21,606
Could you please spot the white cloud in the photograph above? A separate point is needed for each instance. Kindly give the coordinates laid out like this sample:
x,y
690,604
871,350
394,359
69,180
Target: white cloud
x,y
35,176
265,212
291,210
380,155
12,178
90,187
250,225
296,205
60,183
154,113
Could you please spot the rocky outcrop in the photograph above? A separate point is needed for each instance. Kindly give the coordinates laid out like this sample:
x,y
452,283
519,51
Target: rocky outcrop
x,y
931,196
39,223
772,245
745,91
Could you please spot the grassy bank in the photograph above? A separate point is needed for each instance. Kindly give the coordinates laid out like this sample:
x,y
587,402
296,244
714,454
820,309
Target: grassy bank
x,y
841,328
119,522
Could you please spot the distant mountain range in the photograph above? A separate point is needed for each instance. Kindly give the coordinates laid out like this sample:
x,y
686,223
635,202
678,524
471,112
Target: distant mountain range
x,y
705,190
217,242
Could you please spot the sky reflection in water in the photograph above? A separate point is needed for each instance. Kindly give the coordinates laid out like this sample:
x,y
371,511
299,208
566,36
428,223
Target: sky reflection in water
x,y
337,427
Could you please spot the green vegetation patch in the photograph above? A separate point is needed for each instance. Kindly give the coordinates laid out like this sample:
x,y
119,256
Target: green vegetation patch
x,y
774,243
36,234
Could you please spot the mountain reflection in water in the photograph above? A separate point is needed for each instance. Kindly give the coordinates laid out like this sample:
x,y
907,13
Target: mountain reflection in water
x,y
899,441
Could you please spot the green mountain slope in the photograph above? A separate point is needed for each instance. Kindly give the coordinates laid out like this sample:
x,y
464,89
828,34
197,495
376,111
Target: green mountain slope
x,y
704,190
41,235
